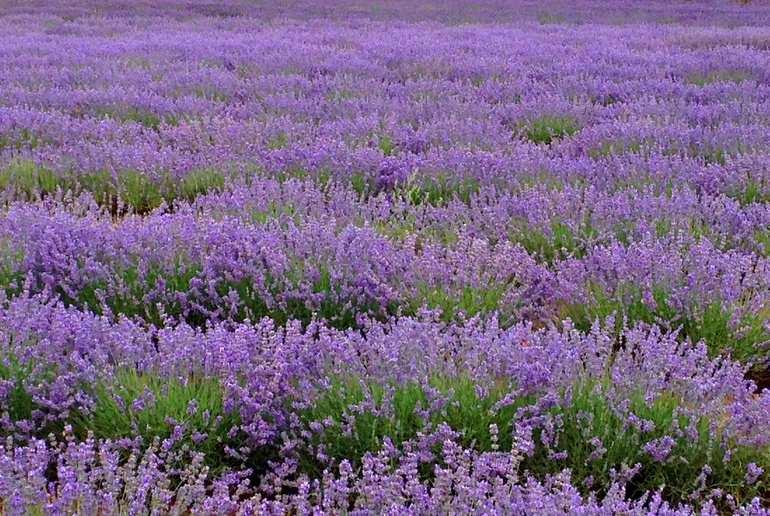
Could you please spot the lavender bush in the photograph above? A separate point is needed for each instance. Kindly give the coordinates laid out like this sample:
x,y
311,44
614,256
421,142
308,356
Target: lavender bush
x,y
358,258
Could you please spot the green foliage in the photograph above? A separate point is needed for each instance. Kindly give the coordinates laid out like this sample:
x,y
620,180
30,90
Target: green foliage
x,y
545,18
362,184
546,129
610,147
387,146
194,183
761,240
195,404
714,327
718,76
276,210
210,93
141,116
751,192
18,402
592,413
562,242
608,100
25,139
139,191
146,118
337,311
463,410
356,416
716,156
139,62
11,278
322,176
709,155
134,298
342,94
137,297
277,142
469,300
711,324
439,190
24,176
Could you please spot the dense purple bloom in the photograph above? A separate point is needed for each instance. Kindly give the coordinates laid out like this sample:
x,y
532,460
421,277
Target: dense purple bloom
x,y
295,220
753,472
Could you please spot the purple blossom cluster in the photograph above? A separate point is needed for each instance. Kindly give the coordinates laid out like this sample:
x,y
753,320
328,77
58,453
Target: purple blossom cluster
x,y
261,366
271,258
296,243
328,95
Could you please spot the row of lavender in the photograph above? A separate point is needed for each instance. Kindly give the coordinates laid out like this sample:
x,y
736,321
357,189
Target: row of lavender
x,y
295,249
164,99
437,418
339,264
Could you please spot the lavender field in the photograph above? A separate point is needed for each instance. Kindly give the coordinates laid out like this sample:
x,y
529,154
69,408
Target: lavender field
x,y
384,257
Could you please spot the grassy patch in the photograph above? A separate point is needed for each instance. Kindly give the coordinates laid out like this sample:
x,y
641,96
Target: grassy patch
x,y
188,410
337,311
712,325
760,242
322,177
546,129
591,414
141,116
210,93
18,402
437,191
718,76
462,409
356,417
27,178
135,300
471,301
25,138
387,146
135,190
710,156
278,141
546,18
363,184
27,417
562,242
751,192
609,147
